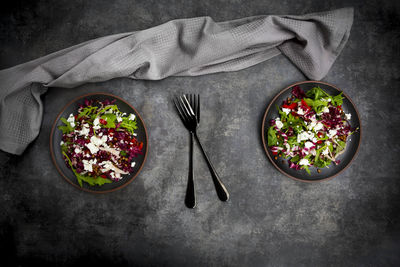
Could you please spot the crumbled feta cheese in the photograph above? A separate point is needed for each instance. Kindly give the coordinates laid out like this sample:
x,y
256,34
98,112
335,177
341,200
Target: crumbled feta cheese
x,y
332,133
61,143
278,124
325,110
77,150
326,151
304,136
318,126
304,162
132,117
85,130
348,116
119,119
133,164
311,125
87,164
286,110
308,144
93,149
107,166
300,111
315,139
71,120
98,141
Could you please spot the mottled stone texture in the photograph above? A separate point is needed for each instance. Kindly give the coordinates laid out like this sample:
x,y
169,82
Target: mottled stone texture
x,y
271,220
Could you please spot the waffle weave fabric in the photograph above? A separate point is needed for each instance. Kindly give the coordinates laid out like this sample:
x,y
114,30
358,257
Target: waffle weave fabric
x,y
184,47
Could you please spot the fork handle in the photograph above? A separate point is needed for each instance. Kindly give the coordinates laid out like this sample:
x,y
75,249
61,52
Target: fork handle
x,y
190,199
222,193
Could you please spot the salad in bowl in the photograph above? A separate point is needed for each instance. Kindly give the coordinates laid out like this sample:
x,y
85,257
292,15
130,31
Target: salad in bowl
x,y
311,129
99,142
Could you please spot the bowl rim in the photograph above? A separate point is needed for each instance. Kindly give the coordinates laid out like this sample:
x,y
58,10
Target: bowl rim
x,y
52,148
266,147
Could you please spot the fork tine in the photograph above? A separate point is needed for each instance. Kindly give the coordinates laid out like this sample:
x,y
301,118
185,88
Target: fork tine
x,y
198,108
184,109
192,104
187,106
181,114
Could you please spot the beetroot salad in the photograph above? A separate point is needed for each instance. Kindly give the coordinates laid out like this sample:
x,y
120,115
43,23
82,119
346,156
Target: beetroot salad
x,y
311,130
99,142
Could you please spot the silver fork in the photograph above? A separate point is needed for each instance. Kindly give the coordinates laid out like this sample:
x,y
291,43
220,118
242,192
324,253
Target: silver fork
x,y
188,107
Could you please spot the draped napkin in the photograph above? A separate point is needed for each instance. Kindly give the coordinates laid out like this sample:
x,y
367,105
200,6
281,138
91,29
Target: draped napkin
x,y
183,47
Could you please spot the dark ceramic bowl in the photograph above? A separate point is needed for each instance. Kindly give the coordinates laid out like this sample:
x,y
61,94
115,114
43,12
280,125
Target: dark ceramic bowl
x,y
353,142
56,135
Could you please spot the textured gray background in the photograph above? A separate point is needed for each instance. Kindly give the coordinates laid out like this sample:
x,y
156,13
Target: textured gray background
x,y
271,219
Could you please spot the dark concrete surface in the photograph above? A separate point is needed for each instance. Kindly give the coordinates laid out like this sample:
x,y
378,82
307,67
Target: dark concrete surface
x,y
271,220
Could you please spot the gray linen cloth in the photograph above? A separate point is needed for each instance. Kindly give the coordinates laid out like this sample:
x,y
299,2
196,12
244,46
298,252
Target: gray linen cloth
x,y
184,47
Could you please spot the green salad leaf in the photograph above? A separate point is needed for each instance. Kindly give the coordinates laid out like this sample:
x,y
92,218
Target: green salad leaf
x,y
340,146
110,118
67,128
129,125
316,93
272,139
317,105
89,111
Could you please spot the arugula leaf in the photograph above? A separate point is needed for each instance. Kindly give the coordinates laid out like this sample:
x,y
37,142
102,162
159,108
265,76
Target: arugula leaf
x,y
316,93
113,107
295,159
64,148
110,118
307,169
94,180
340,146
317,105
67,128
322,163
337,100
272,139
128,124
87,111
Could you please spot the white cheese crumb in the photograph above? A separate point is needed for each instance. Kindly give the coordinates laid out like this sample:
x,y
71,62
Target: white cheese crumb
x,y
87,164
286,110
279,124
93,149
308,144
132,117
133,164
71,120
300,111
304,162
348,116
332,133
318,126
